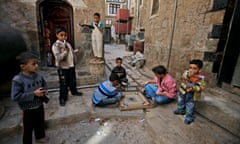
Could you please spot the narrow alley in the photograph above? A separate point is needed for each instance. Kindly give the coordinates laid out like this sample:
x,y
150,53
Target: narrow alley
x,y
217,120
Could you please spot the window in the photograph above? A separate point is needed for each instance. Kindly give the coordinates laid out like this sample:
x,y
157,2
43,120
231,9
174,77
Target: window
x,y
155,7
113,8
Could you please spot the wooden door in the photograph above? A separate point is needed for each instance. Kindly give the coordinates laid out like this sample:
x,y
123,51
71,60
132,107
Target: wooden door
x,y
59,16
55,23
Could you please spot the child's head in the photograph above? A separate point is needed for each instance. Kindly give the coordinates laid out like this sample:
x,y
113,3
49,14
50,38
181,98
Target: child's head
x,y
114,79
96,17
118,62
159,71
195,66
28,62
61,33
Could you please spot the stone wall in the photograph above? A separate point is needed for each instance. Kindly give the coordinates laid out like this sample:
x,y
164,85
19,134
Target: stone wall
x,y
21,16
173,40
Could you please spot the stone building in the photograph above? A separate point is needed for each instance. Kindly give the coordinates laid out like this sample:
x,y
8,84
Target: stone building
x,y
180,30
37,20
111,8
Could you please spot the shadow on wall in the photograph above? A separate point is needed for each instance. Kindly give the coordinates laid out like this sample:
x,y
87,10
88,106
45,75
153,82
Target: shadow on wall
x,y
11,44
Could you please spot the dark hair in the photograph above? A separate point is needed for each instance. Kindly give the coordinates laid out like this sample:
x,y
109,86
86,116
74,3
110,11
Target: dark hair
x,y
113,77
97,14
24,57
60,29
159,70
118,58
197,62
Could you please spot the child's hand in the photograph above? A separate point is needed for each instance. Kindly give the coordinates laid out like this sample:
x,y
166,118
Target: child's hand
x,y
160,93
76,50
189,89
63,50
40,92
145,83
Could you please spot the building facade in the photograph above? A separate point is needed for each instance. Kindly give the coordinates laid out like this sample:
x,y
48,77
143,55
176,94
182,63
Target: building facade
x,y
178,31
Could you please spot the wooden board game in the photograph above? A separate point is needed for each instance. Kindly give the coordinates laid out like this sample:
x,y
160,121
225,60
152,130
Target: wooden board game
x,y
133,100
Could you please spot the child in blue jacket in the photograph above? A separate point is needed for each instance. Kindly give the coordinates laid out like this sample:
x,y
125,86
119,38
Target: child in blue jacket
x,y
106,93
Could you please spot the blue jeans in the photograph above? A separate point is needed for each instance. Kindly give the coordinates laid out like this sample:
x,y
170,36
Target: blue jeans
x,y
109,101
150,92
186,104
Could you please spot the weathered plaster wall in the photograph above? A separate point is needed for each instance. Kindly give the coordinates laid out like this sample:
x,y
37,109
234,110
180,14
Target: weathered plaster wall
x,y
21,16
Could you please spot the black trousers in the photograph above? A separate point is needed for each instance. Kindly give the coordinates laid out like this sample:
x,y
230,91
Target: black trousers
x,y
67,78
33,120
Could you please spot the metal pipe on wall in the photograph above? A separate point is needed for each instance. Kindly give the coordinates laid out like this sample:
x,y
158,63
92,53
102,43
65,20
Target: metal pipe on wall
x,y
172,32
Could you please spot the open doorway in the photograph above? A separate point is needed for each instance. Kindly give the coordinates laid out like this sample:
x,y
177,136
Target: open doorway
x,y
53,14
228,65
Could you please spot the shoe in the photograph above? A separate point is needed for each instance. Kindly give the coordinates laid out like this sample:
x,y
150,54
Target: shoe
x,y
62,102
153,103
179,112
77,93
42,140
124,83
186,121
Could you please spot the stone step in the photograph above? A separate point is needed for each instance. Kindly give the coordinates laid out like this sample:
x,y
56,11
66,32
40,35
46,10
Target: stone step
x,y
83,77
167,128
221,107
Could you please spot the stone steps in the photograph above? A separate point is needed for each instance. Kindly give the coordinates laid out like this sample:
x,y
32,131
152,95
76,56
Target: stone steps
x,y
167,128
222,108
83,77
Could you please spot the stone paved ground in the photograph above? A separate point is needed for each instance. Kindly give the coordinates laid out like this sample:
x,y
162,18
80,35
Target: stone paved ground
x,y
217,120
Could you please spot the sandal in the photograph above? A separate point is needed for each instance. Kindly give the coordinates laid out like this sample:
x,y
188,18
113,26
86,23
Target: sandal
x,y
42,140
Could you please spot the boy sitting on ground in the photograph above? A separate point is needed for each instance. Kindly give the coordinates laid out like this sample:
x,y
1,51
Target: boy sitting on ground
x,y
106,93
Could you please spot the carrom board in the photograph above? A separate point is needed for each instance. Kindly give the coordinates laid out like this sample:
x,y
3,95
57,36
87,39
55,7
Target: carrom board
x,y
133,100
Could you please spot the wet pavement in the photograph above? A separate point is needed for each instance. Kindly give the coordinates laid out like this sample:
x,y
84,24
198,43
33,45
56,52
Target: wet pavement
x,y
217,117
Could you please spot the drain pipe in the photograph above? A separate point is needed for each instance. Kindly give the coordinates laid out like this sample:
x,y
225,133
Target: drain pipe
x,y
172,32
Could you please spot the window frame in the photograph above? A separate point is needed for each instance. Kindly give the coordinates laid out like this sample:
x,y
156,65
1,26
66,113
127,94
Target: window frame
x,y
151,10
111,8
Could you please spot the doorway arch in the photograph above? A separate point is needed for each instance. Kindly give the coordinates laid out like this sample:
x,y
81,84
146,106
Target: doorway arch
x,y
53,14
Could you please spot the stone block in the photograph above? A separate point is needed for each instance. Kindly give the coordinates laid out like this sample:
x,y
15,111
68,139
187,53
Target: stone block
x,y
97,68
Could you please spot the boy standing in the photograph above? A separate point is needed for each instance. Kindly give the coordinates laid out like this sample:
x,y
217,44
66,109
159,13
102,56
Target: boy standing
x,y
120,71
106,93
65,62
190,90
97,37
29,89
